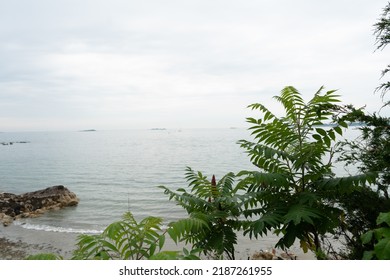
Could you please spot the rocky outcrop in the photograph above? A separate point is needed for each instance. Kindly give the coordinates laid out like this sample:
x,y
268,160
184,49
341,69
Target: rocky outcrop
x,y
32,204
273,255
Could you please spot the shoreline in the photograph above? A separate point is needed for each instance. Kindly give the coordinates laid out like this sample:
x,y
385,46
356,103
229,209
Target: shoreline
x,y
17,243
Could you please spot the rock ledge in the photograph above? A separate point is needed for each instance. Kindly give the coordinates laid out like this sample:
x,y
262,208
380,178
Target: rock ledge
x,y
32,204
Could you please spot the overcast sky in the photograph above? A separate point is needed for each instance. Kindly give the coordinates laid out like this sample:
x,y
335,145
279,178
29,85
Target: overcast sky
x,y
120,64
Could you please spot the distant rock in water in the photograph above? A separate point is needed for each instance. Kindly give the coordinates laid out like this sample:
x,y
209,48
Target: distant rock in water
x,y
33,204
88,130
11,143
158,128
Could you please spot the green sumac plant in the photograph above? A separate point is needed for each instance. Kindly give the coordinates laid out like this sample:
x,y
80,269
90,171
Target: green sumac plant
x,y
213,208
124,239
294,189
129,239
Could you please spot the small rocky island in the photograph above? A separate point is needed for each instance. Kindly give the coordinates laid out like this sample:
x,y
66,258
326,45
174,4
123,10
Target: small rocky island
x,y
14,142
33,204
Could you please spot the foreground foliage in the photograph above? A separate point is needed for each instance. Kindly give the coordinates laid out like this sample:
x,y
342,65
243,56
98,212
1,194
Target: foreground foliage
x,y
215,207
294,190
44,256
128,239
380,238
370,152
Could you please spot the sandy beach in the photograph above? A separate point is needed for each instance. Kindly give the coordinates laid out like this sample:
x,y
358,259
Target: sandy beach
x,y
17,243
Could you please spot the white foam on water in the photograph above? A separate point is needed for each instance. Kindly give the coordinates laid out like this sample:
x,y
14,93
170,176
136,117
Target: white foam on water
x,y
55,229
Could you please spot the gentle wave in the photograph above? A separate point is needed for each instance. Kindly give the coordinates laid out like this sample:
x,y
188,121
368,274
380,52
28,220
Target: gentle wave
x,y
62,229
56,229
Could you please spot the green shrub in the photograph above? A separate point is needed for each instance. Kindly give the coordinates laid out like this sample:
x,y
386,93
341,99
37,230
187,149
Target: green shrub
x,y
128,240
213,208
294,191
379,238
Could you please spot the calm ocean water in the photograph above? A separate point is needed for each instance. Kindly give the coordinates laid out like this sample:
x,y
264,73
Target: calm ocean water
x,y
114,171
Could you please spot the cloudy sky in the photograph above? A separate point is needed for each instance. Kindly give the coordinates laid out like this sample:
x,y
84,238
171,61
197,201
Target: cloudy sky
x,y
120,64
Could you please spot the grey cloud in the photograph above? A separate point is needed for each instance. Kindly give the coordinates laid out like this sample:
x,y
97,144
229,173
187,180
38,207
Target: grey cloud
x,y
121,57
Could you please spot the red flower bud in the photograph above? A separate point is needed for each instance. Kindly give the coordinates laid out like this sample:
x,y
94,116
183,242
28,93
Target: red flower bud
x,y
213,182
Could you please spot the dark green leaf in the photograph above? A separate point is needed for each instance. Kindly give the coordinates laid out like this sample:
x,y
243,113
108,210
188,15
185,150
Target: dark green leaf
x,y
321,131
383,218
368,255
367,237
338,130
382,249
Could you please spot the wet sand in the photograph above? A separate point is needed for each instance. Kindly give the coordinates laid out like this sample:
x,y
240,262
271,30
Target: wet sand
x,y
17,243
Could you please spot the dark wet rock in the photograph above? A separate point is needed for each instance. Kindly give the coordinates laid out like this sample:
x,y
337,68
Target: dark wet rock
x,y
32,204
